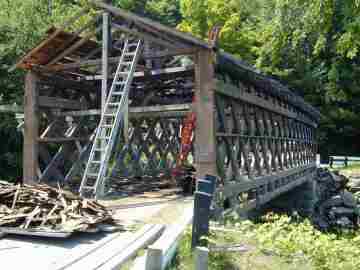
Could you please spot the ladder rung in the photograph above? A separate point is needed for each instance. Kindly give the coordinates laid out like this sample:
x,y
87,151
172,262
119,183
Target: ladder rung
x,y
96,161
126,63
120,83
132,44
109,114
130,54
88,187
104,138
92,175
99,149
117,93
114,104
124,73
106,126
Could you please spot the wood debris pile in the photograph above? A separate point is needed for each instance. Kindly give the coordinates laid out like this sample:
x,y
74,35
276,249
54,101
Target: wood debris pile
x,y
44,208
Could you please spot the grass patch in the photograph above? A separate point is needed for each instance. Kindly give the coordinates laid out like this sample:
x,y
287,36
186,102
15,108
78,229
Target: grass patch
x,y
277,242
349,170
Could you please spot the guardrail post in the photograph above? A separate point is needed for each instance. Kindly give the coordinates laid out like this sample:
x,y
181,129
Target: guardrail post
x,y
201,258
202,200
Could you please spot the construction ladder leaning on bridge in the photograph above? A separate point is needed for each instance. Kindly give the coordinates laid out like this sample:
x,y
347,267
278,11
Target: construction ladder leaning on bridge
x,y
111,118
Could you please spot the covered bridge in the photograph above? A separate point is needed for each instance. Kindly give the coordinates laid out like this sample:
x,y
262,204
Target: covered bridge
x,y
114,98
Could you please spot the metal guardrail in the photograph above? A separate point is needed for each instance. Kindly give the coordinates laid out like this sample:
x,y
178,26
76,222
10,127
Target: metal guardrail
x,y
343,160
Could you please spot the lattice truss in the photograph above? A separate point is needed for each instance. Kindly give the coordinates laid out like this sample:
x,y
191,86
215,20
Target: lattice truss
x,y
152,148
154,145
254,142
62,139
263,148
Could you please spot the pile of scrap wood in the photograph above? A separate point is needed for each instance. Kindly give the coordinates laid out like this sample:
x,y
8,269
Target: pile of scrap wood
x,y
336,205
48,209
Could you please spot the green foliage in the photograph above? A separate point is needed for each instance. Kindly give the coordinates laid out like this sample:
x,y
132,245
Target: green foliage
x,y
184,256
163,11
311,45
22,25
277,242
291,238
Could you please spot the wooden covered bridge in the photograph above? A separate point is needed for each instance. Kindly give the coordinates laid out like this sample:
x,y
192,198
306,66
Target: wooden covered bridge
x,y
112,99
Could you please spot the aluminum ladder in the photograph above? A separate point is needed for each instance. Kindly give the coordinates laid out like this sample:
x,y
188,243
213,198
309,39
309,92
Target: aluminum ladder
x,y
111,118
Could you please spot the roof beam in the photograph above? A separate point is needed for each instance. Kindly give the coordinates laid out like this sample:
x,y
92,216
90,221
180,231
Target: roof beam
x,y
55,102
54,35
74,47
156,72
96,62
58,81
75,36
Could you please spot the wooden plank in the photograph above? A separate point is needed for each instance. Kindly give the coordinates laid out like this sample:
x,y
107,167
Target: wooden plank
x,y
53,35
79,113
55,102
53,79
74,47
156,72
113,60
134,111
75,36
159,27
81,254
205,151
86,63
117,252
105,58
234,92
235,188
62,139
31,130
162,251
141,242
161,108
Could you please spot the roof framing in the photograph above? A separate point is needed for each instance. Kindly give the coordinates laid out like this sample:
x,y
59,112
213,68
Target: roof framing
x,y
75,54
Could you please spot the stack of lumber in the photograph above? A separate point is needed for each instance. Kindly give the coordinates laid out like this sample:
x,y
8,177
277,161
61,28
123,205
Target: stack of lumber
x,y
48,209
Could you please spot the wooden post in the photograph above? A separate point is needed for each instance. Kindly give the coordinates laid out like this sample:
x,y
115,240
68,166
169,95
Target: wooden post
x,y
105,74
153,259
31,130
201,258
105,59
205,149
205,189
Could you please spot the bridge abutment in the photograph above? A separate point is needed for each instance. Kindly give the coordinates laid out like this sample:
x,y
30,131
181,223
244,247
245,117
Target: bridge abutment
x,y
301,199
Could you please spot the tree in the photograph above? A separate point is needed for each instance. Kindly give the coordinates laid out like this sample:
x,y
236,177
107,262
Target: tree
x,y
312,45
163,11
22,25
